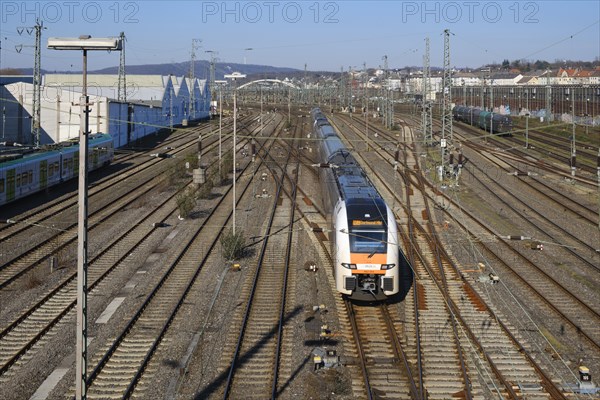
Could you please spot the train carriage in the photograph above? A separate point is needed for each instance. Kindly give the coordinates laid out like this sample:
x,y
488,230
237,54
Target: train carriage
x,y
473,116
31,173
486,120
21,177
502,124
364,236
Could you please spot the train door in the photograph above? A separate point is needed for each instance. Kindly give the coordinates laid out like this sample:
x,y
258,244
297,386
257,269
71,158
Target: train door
x,y
10,185
43,174
94,157
76,163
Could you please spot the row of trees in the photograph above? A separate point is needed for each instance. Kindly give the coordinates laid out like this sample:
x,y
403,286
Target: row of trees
x,y
526,66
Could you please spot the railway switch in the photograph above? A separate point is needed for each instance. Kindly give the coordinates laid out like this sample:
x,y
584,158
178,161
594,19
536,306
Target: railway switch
x,y
323,358
537,246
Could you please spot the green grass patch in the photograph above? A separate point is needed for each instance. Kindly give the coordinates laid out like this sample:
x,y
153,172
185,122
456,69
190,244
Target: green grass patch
x,y
556,344
589,134
581,279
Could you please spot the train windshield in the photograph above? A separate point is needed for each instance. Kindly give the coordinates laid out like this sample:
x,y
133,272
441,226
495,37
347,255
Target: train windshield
x,y
370,241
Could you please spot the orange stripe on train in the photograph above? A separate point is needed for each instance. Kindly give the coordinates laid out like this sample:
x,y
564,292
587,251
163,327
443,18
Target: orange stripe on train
x,y
363,258
368,272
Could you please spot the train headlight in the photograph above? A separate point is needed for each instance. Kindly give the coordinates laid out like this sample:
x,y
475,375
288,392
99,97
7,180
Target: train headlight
x,y
387,266
349,266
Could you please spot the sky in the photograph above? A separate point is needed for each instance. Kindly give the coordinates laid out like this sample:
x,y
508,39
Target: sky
x,y
324,35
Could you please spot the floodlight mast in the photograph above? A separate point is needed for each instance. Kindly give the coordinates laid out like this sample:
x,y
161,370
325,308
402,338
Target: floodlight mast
x,y
83,43
220,83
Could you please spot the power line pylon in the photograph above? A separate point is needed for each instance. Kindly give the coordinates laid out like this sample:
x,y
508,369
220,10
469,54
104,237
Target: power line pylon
x,y
122,83
386,105
446,140
195,46
37,83
426,122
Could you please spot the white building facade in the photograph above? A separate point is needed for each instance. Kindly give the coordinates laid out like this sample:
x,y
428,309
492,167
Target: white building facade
x,y
153,102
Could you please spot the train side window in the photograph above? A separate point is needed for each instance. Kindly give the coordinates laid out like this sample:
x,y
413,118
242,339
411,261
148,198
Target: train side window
x,y
70,163
50,169
25,178
57,167
2,185
18,180
30,175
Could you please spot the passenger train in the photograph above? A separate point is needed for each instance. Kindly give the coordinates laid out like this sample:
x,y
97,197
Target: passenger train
x,y
364,235
24,174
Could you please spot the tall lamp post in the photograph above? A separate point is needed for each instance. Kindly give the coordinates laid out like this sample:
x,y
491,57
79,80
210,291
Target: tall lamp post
x,y
261,110
83,43
211,75
220,83
234,76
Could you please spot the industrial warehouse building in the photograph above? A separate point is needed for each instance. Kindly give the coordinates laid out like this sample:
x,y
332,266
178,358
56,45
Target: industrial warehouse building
x,y
152,102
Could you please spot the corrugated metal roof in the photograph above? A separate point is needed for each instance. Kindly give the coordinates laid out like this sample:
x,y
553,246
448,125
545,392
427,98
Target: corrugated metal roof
x,y
146,89
102,80
146,94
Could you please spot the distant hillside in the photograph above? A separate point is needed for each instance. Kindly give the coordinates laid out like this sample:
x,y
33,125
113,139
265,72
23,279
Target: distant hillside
x,y
201,69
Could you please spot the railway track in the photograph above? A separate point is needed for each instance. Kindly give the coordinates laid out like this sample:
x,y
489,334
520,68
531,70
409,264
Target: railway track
x,y
19,260
546,145
378,364
514,165
463,303
34,327
571,241
579,313
132,163
537,156
438,357
125,368
383,362
385,370
254,365
559,148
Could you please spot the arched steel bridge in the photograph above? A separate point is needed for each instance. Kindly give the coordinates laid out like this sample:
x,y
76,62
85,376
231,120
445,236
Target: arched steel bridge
x,y
258,81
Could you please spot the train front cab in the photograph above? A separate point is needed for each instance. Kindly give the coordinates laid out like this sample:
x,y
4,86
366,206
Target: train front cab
x,y
366,258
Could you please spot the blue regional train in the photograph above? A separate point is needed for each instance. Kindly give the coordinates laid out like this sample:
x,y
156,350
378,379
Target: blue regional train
x,y
24,174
